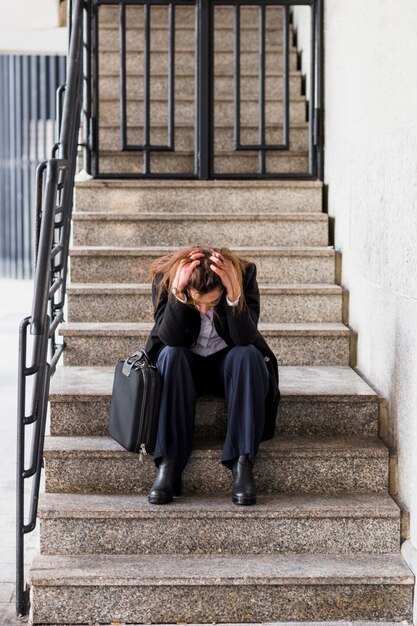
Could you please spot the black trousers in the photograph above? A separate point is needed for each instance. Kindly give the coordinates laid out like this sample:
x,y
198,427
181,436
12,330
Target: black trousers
x,y
237,373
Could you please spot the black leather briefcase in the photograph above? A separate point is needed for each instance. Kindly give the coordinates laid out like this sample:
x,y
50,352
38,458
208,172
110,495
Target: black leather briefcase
x,y
135,403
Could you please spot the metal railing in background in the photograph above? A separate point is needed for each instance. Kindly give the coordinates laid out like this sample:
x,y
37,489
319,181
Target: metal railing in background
x,y
138,102
54,201
27,128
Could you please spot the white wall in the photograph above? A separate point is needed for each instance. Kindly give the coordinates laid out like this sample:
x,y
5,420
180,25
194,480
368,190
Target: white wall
x,y
371,171
31,26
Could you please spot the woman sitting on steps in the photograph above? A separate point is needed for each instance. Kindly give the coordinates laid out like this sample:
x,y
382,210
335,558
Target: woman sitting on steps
x,y
206,341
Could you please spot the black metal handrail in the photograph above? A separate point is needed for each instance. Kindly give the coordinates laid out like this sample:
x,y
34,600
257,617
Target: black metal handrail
x,y
54,202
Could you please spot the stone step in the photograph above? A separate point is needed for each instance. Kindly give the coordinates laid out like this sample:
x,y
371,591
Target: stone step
x,y
179,163
185,111
320,400
185,16
287,464
185,38
131,265
98,589
109,41
290,524
109,86
152,229
231,196
97,302
184,139
185,61
294,344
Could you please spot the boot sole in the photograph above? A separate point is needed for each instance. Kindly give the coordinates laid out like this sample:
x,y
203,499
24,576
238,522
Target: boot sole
x,y
160,499
243,500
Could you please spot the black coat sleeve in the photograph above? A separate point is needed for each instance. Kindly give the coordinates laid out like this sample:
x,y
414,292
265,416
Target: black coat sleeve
x,y
243,325
171,316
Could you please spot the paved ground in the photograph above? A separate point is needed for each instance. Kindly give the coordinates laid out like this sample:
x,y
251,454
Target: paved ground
x,y
15,304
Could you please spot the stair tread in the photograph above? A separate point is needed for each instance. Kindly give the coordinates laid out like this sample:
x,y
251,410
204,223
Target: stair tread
x,y
121,506
145,288
196,215
184,98
197,184
313,382
269,328
161,250
219,570
350,446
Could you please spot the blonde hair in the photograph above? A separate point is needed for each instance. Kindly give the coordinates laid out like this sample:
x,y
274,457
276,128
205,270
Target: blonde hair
x,y
202,278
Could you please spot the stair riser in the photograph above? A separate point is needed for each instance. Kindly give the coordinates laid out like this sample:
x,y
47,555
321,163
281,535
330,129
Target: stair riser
x,y
121,472
185,113
185,43
109,87
90,417
91,307
185,17
220,199
170,603
109,62
185,39
299,350
219,535
135,269
170,163
185,137
180,232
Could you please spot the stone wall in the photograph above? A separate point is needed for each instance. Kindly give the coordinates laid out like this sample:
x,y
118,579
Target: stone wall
x,y
371,173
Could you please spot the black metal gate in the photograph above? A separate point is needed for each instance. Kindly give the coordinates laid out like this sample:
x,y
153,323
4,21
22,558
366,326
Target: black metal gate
x,y
204,89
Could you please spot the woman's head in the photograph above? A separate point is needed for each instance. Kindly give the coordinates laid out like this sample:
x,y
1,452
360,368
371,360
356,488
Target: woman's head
x,y
204,285
203,279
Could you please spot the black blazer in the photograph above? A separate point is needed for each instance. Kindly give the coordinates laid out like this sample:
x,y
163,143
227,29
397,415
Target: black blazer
x,y
179,325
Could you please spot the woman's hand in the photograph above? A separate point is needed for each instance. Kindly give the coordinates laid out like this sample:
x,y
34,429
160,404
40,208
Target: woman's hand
x,y
228,275
184,270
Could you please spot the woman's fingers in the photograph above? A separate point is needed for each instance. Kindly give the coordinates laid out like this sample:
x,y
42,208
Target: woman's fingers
x,y
223,275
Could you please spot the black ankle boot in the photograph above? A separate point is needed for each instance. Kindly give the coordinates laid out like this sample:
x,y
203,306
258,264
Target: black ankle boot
x,y
167,483
244,489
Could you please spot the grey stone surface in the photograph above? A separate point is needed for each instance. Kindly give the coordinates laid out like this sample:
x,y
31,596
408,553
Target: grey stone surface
x,y
294,344
223,38
129,265
203,588
284,464
231,602
153,229
110,39
185,62
86,524
185,16
184,86
130,303
314,400
89,416
185,135
180,163
185,110
214,195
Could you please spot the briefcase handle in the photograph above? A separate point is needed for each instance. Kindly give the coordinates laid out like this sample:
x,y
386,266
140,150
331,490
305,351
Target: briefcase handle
x,y
137,359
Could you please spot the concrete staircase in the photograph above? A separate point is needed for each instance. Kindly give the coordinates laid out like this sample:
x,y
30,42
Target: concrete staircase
x,y
323,542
